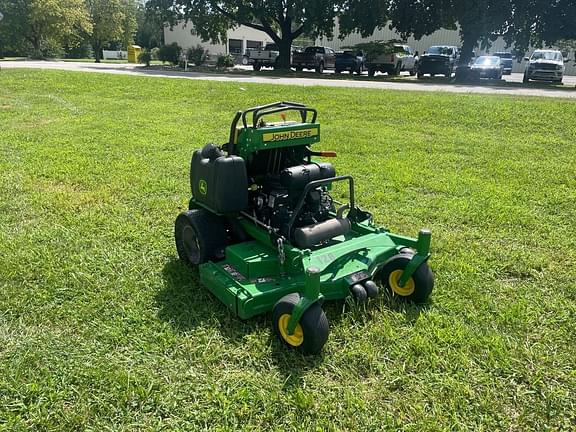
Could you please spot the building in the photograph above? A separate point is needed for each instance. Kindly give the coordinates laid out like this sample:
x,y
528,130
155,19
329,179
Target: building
x,y
239,41
243,38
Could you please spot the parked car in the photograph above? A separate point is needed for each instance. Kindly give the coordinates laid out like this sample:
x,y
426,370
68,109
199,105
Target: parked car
x,y
352,61
506,60
315,57
438,60
401,59
545,65
266,57
487,67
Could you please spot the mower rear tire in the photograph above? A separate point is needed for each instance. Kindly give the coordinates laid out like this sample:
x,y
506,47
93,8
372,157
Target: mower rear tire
x,y
419,286
200,236
312,331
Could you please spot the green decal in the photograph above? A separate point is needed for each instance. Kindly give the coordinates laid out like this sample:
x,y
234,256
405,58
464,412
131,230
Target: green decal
x,y
203,187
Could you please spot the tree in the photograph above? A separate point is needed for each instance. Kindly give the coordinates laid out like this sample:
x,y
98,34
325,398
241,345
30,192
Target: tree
x,y
282,20
111,20
541,22
38,26
150,28
479,21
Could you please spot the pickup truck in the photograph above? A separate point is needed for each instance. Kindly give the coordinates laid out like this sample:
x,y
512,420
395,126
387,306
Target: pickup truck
x,y
401,58
545,65
352,61
314,57
439,60
266,57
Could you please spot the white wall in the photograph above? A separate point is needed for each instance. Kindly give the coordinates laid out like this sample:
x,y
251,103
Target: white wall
x,y
183,34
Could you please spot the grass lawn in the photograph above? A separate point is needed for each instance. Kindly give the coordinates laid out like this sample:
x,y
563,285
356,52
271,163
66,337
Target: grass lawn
x,y
101,328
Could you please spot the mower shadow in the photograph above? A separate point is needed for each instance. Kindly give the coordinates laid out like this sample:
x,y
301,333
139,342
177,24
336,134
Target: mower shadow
x,y
186,305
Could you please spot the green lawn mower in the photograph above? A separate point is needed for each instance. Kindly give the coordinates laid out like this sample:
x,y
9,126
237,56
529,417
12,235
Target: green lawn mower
x,y
266,234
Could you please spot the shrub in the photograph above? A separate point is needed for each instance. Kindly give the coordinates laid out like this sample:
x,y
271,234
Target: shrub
x,y
224,61
170,53
197,55
145,57
83,50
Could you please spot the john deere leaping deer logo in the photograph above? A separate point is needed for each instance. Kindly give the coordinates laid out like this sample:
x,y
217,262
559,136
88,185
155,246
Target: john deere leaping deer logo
x,y
203,187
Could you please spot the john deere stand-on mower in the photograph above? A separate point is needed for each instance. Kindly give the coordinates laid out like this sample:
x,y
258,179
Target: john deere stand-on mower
x,y
267,235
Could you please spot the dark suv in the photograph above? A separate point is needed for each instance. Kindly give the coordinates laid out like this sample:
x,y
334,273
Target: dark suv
x,y
438,60
506,61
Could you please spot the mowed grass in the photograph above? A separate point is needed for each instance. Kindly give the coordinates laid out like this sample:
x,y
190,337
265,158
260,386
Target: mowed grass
x,y
101,328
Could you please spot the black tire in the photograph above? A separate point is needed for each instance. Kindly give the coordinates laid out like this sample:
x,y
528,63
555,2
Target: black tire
x,y
256,66
312,331
420,75
200,237
397,69
371,72
419,286
371,289
413,71
337,71
299,68
320,68
359,293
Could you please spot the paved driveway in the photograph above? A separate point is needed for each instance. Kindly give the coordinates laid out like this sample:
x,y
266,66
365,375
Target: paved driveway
x,y
408,83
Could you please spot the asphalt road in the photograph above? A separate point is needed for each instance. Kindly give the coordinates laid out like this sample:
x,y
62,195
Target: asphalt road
x,y
406,83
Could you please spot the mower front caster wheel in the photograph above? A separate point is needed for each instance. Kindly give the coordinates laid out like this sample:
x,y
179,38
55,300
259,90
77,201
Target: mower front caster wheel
x,y
359,293
417,289
312,330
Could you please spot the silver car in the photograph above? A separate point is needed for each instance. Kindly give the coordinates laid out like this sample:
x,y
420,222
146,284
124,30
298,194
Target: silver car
x,y
545,65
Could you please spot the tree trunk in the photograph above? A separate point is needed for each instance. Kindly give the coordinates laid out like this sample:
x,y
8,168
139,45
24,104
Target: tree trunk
x,y
285,48
464,73
36,48
468,44
97,48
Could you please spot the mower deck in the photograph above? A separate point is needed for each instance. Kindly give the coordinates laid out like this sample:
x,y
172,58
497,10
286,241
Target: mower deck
x,y
250,279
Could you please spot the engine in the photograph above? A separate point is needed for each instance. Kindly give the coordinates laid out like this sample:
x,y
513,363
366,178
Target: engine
x,y
277,197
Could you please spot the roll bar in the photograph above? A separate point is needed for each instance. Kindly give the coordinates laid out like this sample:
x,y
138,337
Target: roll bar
x,y
264,110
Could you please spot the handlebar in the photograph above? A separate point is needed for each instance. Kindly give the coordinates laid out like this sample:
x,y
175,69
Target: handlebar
x,y
264,110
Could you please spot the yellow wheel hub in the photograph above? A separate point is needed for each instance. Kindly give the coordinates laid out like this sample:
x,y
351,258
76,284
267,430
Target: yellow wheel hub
x,y
403,291
294,339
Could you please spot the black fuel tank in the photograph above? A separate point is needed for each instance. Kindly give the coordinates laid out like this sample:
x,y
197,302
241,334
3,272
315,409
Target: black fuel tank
x,y
219,182
297,177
